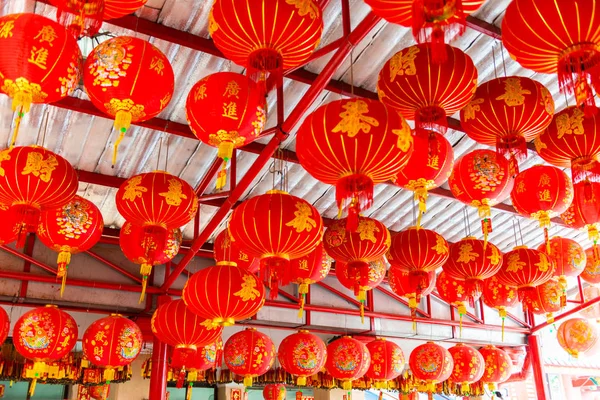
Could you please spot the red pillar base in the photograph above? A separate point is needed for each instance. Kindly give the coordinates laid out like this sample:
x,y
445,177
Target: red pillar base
x,y
537,365
158,378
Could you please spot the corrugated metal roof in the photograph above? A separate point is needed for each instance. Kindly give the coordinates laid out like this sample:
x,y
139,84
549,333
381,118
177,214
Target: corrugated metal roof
x,y
86,141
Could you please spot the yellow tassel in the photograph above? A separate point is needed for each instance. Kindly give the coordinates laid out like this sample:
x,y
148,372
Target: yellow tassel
x,y
188,396
301,310
144,284
347,385
18,119
222,176
412,302
32,386
192,376
145,269
116,148
248,381
63,284
301,381
462,310
303,288
593,232
122,123
491,387
64,259
502,314
549,317
109,375
22,101
225,150
430,386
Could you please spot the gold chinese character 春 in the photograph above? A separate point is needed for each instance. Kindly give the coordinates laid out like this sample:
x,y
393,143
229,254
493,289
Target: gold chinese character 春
x,y
39,57
232,89
46,34
354,119
230,110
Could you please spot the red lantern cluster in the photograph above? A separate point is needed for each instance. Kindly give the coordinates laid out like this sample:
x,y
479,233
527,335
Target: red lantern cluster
x,y
302,354
249,353
347,360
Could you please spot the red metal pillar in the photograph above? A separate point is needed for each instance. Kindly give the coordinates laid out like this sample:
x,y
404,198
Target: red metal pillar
x,y
538,367
158,378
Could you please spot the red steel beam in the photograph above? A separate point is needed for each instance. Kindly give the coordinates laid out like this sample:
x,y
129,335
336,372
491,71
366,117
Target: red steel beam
x,y
294,118
30,260
566,314
114,266
537,365
401,300
341,295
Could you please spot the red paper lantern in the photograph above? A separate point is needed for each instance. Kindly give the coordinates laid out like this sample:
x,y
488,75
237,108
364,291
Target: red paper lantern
x,y
175,325
423,91
401,284
30,184
499,296
302,354
507,113
524,269
354,144
274,391
577,335
4,325
434,21
455,292
573,141
592,312
360,279
431,364
39,62
569,259
224,294
468,368
267,36
498,366
146,250
157,201
249,353
226,251
84,17
44,335
73,228
429,166
347,360
207,357
112,342
584,210
224,110
285,227
542,192
591,273
309,269
387,362
545,299
418,251
473,260
481,179
128,79
557,38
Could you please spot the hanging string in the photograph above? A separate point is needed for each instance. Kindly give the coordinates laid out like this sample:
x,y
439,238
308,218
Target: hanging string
x,y
159,151
502,55
414,215
43,125
464,211
167,153
514,231
520,232
494,61
352,71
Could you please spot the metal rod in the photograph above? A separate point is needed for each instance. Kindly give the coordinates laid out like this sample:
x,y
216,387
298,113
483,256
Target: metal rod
x,y
401,300
566,314
29,259
115,267
338,293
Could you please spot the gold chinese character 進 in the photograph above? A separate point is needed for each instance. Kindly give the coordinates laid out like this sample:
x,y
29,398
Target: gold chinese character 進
x,y
39,57
544,180
403,63
243,256
6,29
303,265
433,162
232,90
230,110
46,34
544,195
354,119
157,64
200,92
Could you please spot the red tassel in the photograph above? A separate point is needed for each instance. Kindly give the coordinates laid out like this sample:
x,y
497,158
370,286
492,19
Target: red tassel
x,y
576,73
585,170
262,63
359,190
27,218
419,280
431,118
276,271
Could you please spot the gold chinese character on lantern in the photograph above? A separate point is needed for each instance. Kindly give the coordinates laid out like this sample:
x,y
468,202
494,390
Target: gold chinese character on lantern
x,y
354,119
175,194
230,110
544,195
243,256
46,34
98,351
514,94
303,265
433,162
302,221
157,64
514,263
37,166
521,187
404,63
466,253
39,57
248,290
200,92
366,230
6,29
544,180
232,90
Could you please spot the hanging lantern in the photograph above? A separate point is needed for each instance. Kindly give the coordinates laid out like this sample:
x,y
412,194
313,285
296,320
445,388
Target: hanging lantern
x,y
559,38
43,335
207,357
401,284
545,299
418,251
360,280
267,36
498,366
584,211
30,185
336,145
454,292
274,391
224,110
429,166
500,296
175,325
224,294
577,335
431,364
302,354
481,179
130,80
285,227
227,252
542,192
573,141
39,63
84,17
309,269
347,360
569,259
525,269
473,260
147,251
468,366
433,21
387,362
73,228
112,342
249,353
4,325
425,92
507,113
591,273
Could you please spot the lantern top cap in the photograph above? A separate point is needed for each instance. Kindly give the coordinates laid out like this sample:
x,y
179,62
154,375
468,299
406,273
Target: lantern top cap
x,y
276,191
51,306
303,331
469,238
116,315
520,247
227,263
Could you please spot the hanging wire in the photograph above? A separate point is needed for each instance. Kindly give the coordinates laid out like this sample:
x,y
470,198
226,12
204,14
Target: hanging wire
x,y
502,55
159,151
520,232
413,209
167,153
514,226
465,224
494,60
43,125
352,71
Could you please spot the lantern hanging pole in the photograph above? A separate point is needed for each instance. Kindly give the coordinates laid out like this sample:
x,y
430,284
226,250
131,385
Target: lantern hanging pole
x,y
158,379
566,314
538,368
346,21
293,119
